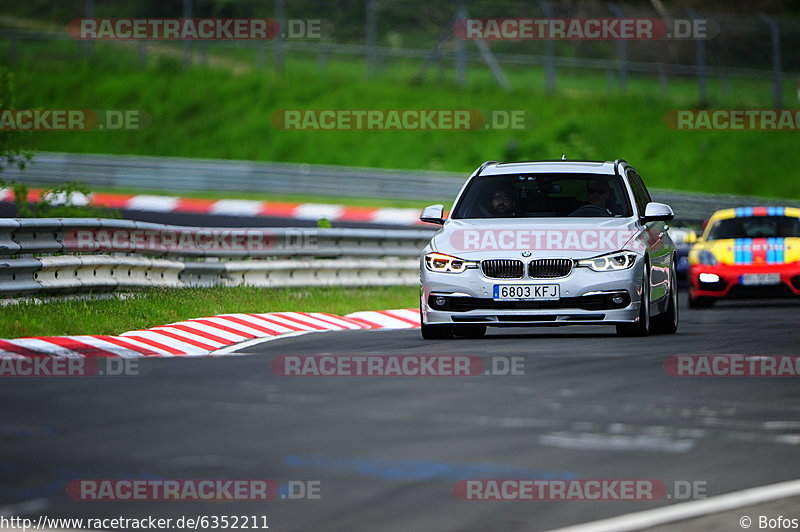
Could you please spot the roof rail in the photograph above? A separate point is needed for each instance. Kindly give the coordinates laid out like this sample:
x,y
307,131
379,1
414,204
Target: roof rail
x,y
484,165
617,163
555,161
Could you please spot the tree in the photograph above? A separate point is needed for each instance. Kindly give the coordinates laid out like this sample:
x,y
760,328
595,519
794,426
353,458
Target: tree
x,y
11,155
66,200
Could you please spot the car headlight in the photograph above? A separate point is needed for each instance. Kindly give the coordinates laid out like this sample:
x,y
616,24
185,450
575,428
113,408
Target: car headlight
x,y
441,263
620,260
707,258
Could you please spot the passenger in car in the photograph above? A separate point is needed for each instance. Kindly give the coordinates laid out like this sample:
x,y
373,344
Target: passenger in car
x,y
598,192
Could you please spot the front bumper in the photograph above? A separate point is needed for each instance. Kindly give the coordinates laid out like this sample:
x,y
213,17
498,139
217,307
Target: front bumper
x,y
730,286
587,297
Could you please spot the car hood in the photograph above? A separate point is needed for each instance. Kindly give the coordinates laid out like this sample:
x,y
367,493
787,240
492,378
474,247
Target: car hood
x,y
540,237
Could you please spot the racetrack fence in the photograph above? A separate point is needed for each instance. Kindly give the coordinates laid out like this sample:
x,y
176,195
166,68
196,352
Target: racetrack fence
x,y
417,38
174,174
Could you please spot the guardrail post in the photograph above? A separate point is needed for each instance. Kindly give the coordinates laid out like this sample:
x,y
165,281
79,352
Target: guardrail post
x,y
663,82
371,44
323,56
775,35
461,51
549,54
279,16
622,52
88,46
260,56
700,54
143,54
187,43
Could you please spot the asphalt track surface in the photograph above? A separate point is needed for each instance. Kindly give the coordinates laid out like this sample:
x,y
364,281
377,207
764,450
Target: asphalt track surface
x,y
388,450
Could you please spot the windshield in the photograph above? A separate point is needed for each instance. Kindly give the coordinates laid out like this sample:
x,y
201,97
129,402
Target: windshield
x,y
544,195
755,227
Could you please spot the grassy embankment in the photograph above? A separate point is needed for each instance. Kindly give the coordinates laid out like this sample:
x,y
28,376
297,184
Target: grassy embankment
x,y
211,112
159,307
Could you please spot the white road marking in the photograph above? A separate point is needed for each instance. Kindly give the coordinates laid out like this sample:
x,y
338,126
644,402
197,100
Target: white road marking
x,y
255,341
688,510
28,507
615,442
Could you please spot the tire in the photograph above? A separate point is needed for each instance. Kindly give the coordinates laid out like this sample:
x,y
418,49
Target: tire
x,y
667,323
700,302
470,331
436,332
642,327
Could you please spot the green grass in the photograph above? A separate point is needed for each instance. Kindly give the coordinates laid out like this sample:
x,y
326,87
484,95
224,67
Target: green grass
x,y
159,307
209,112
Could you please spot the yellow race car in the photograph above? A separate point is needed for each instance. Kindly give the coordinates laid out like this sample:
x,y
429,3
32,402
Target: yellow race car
x,y
746,252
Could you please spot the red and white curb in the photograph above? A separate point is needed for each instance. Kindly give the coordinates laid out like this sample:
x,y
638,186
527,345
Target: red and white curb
x,y
237,207
205,336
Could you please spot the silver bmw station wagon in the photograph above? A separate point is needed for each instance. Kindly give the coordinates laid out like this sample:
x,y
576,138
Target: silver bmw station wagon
x,y
550,243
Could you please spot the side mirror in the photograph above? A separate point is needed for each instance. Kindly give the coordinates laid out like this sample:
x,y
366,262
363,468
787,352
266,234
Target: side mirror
x,y
657,212
691,237
433,214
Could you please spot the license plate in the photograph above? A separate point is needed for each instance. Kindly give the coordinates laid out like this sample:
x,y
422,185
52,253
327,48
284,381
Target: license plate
x,y
526,292
760,279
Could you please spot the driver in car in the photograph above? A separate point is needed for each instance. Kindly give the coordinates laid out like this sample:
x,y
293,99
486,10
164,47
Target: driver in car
x,y
503,203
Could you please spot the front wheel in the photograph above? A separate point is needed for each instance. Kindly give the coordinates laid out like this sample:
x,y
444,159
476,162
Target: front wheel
x,y
667,323
641,327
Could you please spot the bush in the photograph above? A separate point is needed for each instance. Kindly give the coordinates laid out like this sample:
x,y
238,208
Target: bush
x,y
64,201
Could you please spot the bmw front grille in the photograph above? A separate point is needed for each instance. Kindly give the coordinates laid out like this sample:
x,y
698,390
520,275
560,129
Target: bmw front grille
x,y
549,268
503,268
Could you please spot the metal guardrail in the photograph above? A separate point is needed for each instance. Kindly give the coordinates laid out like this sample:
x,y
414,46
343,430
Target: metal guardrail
x,y
180,175
101,255
91,235
171,174
70,274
